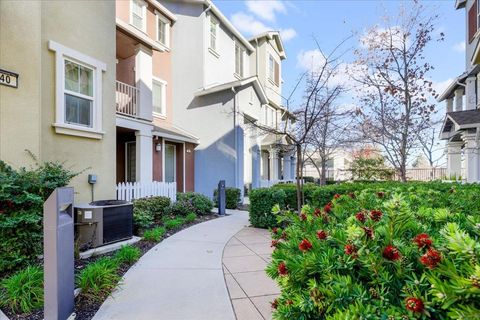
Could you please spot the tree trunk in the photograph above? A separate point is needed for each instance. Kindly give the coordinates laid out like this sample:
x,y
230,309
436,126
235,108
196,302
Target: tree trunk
x,y
299,177
323,177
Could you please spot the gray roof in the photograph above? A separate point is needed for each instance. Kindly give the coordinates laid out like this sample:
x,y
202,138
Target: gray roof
x,y
465,117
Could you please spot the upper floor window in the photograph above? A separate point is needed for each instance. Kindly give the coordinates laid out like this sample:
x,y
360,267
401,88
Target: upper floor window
x,y
78,98
473,16
239,59
138,16
159,90
163,30
273,70
213,33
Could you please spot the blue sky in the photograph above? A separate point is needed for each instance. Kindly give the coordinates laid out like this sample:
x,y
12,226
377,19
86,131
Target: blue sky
x,y
332,21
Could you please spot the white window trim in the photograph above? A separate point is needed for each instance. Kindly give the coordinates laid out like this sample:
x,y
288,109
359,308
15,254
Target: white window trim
x,y
63,53
242,59
144,13
167,22
214,20
164,97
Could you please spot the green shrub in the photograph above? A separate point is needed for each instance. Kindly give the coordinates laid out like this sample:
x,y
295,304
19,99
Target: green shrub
x,y
191,217
399,252
261,203
142,219
22,193
98,279
155,234
156,206
127,254
181,208
201,204
173,223
23,291
232,197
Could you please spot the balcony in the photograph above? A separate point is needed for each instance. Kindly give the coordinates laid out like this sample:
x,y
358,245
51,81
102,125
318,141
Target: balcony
x,y
127,99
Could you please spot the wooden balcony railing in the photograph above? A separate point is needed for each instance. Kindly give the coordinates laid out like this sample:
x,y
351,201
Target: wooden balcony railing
x,y
127,99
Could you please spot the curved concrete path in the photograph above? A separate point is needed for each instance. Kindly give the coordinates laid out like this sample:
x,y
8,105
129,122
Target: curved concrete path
x,y
179,279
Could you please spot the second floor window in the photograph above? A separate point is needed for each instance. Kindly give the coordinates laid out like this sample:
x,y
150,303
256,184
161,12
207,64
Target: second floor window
x,y
472,21
273,70
78,94
163,30
213,33
239,59
138,14
159,97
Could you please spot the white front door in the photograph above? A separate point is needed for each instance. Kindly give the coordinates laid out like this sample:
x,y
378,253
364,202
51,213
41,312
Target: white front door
x,y
170,161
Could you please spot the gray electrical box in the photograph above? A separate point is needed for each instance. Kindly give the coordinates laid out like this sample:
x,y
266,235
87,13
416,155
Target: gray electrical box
x,y
58,247
221,197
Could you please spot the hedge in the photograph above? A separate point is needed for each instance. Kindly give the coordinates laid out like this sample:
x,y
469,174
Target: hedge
x,y
261,203
232,197
201,204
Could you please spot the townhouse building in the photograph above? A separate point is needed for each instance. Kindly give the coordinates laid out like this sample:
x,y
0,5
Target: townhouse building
x,y
150,146
236,86
461,126
57,94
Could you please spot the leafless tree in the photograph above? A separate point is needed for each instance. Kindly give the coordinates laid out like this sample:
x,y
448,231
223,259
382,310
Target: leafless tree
x,y
394,91
318,93
430,145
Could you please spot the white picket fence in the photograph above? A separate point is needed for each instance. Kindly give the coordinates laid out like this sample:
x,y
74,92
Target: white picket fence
x,y
133,190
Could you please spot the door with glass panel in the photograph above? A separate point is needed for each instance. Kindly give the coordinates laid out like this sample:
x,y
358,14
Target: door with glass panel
x,y
170,158
130,161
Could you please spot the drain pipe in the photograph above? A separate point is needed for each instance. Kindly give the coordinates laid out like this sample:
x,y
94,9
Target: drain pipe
x,y
235,135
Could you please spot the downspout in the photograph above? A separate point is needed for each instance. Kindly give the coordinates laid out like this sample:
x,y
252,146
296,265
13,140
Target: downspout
x,y
204,36
235,136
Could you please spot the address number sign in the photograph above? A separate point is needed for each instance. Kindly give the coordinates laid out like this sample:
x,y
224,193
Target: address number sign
x,y
8,78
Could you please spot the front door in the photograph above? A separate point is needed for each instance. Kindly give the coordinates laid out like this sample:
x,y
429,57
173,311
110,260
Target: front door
x,y
170,160
130,161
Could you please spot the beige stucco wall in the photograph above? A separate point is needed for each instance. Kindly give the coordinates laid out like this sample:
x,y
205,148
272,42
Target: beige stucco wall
x,y
28,113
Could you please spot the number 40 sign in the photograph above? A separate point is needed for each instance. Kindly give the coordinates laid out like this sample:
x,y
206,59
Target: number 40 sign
x,y
8,78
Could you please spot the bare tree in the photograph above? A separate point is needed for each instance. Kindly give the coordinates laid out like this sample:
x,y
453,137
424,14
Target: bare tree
x,y
430,145
318,94
394,92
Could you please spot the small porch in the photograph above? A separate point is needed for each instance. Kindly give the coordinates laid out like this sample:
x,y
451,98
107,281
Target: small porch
x,y
277,161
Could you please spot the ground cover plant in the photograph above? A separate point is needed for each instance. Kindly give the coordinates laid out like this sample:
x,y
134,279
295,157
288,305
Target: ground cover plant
x,y
380,254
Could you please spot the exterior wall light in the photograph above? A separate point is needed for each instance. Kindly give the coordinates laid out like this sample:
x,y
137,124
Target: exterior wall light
x,y
158,147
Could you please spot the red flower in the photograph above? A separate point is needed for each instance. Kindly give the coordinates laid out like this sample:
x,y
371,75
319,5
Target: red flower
x,y
352,195
368,232
336,196
328,207
381,194
305,245
303,216
317,212
283,236
431,259
423,241
289,302
391,253
274,243
414,304
274,304
282,269
274,230
322,235
350,249
361,216
376,215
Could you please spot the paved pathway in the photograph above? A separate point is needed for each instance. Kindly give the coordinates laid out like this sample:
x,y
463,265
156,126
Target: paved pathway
x,y
244,259
179,279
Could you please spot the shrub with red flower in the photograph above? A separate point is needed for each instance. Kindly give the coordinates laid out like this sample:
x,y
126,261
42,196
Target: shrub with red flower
x,y
414,304
303,216
282,269
431,258
351,195
380,194
368,232
336,196
376,215
274,243
274,230
361,216
321,234
391,253
328,207
423,240
350,249
305,245
274,303
317,212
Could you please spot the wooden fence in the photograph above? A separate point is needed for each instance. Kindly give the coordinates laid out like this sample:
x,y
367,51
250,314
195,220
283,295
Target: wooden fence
x,y
133,190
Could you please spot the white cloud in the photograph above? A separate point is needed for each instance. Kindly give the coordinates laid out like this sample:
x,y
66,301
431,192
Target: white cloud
x,y
310,60
441,86
266,10
288,34
247,24
459,47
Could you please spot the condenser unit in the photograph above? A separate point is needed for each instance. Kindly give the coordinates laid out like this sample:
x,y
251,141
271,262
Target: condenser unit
x,y
102,222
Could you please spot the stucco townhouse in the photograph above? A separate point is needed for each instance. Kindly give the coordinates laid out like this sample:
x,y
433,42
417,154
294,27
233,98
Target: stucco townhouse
x,y
150,143
57,93
224,83
461,126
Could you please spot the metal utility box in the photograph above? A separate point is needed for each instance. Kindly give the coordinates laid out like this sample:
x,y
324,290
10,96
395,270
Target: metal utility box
x,y
58,254
221,197
102,222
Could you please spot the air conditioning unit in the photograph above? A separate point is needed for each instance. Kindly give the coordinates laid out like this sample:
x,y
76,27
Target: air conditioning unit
x,y
102,222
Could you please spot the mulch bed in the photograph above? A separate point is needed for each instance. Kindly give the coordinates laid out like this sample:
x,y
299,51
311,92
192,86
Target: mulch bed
x,y
85,308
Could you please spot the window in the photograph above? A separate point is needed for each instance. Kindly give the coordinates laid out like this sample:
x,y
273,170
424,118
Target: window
x,y
78,97
78,94
159,96
273,70
138,14
239,62
130,162
213,33
163,30
472,21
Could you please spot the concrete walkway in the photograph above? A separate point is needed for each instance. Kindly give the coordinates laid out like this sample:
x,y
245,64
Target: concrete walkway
x,y
244,260
180,278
